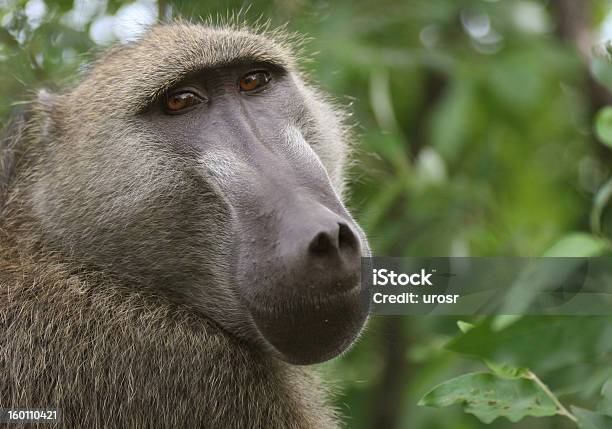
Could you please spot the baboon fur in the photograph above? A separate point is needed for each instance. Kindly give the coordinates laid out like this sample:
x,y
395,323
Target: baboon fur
x,y
85,253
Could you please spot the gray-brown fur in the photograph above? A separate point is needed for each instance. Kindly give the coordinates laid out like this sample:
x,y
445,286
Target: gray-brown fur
x,y
110,357
106,304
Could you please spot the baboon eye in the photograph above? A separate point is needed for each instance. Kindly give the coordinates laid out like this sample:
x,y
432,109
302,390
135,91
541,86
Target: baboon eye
x,y
254,80
180,101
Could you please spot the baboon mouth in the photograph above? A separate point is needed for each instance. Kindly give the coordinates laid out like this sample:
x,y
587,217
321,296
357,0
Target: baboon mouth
x,y
300,302
313,329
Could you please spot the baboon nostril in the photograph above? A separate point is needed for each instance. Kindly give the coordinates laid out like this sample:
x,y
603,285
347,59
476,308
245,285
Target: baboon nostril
x,y
323,244
336,240
346,238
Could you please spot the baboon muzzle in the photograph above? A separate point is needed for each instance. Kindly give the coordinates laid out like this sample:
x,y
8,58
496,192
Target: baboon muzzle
x,y
299,266
312,312
298,251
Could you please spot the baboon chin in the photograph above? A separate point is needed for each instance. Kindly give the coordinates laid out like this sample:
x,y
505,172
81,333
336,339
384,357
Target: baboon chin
x,y
179,213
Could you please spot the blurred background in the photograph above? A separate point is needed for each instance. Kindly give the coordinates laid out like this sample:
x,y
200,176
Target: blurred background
x,y
481,129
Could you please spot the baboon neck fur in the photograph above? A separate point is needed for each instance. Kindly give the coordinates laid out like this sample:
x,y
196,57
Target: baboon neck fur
x,y
109,356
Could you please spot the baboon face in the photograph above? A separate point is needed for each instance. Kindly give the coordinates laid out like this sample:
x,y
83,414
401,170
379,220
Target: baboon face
x,y
197,163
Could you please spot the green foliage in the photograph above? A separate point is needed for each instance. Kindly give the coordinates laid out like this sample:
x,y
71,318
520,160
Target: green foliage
x,y
579,245
603,125
591,420
519,386
537,342
489,396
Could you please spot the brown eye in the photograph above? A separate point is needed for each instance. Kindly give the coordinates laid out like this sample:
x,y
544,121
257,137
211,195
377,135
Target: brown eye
x,y
254,80
176,103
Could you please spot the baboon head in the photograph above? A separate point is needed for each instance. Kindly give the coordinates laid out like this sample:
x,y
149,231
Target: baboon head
x,y
197,163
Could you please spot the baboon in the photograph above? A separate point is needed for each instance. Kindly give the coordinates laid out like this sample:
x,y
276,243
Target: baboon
x,y
173,245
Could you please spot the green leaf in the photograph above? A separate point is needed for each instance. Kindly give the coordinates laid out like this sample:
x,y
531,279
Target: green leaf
x,y
504,320
451,121
599,205
602,71
464,326
537,278
500,369
605,404
591,420
63,5
578,244
506,371
488,397
7,39
540,343
603,126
